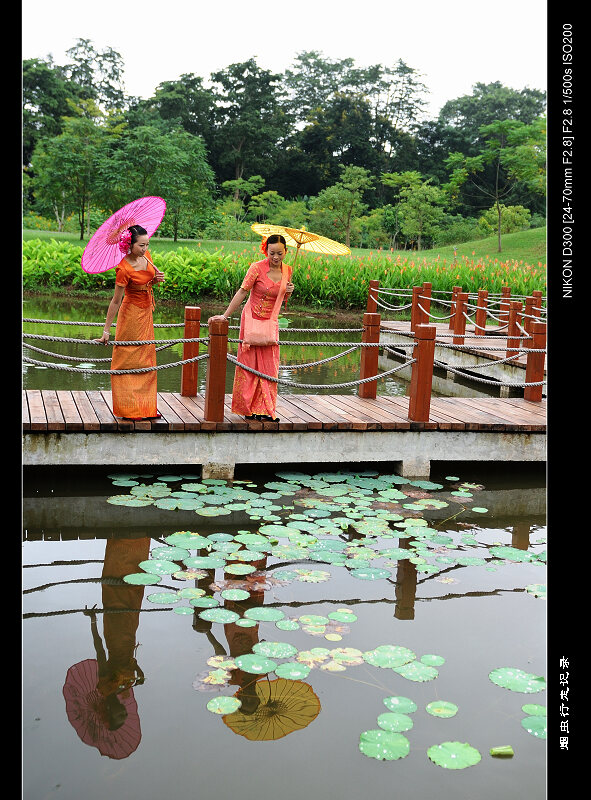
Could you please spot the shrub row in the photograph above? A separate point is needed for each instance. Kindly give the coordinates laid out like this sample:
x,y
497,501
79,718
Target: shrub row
x,y
320,281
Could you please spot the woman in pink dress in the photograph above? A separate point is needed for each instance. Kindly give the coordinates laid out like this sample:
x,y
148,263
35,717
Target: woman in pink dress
x,y
254,397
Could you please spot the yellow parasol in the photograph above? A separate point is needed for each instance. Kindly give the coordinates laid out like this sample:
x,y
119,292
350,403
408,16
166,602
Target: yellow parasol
x,y
285,706
301,238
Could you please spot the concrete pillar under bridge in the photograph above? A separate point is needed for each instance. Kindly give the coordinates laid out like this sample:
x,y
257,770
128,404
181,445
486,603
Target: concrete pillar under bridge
x,y
218,453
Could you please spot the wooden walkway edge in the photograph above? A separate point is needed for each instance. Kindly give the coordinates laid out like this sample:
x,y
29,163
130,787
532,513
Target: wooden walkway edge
x,y
64,411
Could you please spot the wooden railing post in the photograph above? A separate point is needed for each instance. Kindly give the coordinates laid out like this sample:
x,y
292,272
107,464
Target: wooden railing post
x,y
537,308
504,305
454,294
480,318
414,311
528,314
189,372
425,303
513,332
372,296
422,374
369,355
460,319
215,386
534,369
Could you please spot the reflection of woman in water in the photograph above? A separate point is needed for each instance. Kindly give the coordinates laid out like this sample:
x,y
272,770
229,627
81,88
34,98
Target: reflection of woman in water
x,y
99,693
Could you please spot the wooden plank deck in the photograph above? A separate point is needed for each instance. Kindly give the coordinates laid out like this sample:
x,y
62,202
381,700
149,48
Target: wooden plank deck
x,y
63,411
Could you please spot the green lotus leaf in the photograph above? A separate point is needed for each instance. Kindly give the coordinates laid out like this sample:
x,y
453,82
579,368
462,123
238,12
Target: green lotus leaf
x,y
384,745
235,594
142,579
204,562
371,574
415,671
510,553
287,625
128,500
388,656
403,705
224,705
470,561
536,726
343,615
537,589
239,569
188,540
479,510
255,664
312,619
246,623
394,721
432,660
170,553
517,680
212,511
534,710
190,574
286,575
264,614
441,708
223,615
162,598
275,649
292,671
158,566
191,592
204,602
312,575
454,755
183,610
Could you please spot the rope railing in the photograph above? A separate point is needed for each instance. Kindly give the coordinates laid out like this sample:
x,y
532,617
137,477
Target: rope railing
x,y
424,339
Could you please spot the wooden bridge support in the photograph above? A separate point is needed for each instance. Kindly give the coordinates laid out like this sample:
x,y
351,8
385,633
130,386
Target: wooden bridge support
x,y
189,372
454,294
369,355
215,386
534,368
422,374
513,332
372,296
504,305
459,328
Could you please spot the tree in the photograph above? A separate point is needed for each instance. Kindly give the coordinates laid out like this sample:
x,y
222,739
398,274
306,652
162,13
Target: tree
x,y
249,119
503,159
344,199
420,205
98,75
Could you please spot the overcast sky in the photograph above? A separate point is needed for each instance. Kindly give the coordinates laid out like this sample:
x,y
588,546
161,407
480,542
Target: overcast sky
x,y
453,44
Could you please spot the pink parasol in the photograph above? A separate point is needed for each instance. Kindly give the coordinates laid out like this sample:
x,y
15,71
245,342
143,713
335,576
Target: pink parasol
x,y
102,251
86,710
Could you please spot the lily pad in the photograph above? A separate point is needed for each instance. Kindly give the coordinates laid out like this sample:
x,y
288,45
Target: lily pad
x,y
255,664
432,660
371,574
222,615
415,671
534,710
275,649
384,745
235,594
517,680
441,708
240,569
264,614
292,671
158,566
536,726
388,656
224,705
163,598
142,579
403,705
204,562
394,721
454,755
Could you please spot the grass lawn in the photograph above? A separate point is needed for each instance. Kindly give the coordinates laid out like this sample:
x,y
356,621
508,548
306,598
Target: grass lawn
x,y
527,246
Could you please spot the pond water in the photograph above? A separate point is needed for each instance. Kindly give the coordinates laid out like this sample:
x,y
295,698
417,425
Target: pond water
x,y
339,371
337,603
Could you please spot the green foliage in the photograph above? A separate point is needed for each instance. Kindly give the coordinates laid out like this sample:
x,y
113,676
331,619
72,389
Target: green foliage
x,y
194,272
513,218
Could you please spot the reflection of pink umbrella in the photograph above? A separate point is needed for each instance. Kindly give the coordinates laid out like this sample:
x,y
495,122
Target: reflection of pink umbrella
x,y
87,711
102,251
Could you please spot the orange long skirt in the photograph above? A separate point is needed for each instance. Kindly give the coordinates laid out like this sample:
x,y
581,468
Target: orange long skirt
x,y
134,396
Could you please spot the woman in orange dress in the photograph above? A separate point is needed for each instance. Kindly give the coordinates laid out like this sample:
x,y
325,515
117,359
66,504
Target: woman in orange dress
x,y
254,397
134,395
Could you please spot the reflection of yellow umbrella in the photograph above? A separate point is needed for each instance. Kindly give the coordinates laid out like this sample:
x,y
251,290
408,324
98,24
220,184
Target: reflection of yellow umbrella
x,y
300,237
285,706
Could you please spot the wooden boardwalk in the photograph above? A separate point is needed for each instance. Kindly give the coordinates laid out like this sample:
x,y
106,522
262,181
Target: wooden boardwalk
x,y
46,411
